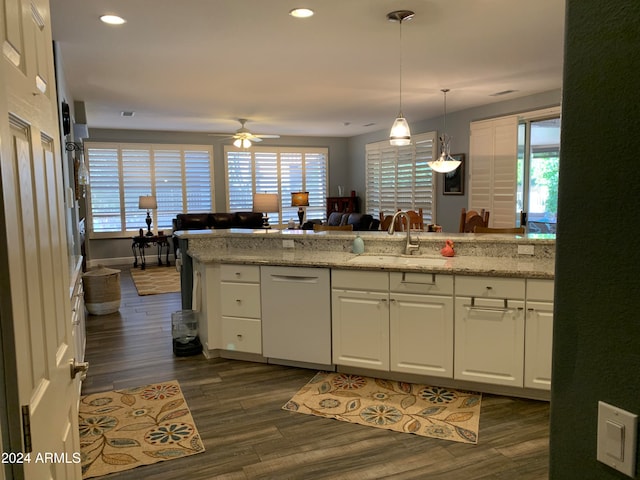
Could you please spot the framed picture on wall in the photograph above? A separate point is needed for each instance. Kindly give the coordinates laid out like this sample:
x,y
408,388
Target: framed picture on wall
x,y
454,181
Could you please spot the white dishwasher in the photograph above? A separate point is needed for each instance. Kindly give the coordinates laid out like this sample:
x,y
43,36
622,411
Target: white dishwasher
x,y
296,314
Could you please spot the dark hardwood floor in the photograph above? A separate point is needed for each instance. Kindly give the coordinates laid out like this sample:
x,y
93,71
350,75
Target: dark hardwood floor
x,y
237,408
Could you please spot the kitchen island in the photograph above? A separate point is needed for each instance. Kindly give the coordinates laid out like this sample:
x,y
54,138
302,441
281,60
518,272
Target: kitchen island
x,y
479,320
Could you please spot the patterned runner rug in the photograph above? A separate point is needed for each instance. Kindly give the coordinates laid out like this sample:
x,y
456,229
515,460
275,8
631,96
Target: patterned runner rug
x,y
155,280
124,429
403,407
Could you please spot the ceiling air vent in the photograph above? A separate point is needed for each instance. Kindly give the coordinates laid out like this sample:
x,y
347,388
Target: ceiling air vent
x,y
504,92
127,114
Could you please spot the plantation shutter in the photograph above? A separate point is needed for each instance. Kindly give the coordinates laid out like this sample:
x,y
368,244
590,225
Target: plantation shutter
x,y
180,177
399,177
493,159
277,170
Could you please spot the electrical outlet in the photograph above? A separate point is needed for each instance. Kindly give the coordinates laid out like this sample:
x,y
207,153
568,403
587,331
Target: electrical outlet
x,y
288,244
617,433
525,250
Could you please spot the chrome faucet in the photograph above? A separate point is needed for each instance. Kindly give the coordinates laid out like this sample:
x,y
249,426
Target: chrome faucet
x,y
410,247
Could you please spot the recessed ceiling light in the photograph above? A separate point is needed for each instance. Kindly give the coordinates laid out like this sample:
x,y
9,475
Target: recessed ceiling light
x,y
112,19
301,12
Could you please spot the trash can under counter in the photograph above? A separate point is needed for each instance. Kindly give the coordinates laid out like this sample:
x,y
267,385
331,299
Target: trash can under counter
x,y
184,331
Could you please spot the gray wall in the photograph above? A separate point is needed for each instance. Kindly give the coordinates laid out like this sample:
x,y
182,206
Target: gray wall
x,y
448,206
596,351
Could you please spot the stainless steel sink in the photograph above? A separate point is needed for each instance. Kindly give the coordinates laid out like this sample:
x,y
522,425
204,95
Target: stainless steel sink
x,y
399,260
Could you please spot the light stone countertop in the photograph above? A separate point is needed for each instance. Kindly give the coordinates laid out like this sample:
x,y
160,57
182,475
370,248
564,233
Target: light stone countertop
x,y
476,254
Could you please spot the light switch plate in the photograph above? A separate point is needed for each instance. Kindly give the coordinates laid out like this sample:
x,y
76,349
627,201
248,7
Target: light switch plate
x,y
617,434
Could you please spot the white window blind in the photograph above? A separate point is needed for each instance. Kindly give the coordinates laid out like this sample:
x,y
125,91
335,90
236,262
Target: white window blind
x,y
179,176
280,170
399,177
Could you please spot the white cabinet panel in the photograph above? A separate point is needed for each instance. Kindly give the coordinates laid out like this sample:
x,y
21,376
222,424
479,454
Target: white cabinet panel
x,y
538,346
240,299
239,273
490,287
489,341
360,323
241,334
421,334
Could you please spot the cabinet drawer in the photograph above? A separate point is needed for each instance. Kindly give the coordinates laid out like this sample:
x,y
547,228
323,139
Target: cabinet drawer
x,y
540,289
425,283
240,273
240,299
359,280
490,287
242,334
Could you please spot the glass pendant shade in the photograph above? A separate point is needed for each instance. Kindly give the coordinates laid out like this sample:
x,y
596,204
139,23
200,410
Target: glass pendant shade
x,y
444,164
400,134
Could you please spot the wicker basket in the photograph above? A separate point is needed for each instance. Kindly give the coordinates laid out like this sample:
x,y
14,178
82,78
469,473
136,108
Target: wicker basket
x,y
102,290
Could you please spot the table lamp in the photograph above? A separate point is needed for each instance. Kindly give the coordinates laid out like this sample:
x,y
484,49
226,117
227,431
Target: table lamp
x,y
300,200
148,202
265,203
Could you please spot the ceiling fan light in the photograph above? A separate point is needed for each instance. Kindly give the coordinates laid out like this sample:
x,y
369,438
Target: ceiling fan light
x,y
400,134
301,12
237,142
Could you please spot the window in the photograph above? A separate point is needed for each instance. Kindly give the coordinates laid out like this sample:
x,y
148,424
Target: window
x,y
538,164
280,170
180,177
399,177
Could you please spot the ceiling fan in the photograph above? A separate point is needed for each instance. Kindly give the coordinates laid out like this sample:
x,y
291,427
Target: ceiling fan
x,y
243,137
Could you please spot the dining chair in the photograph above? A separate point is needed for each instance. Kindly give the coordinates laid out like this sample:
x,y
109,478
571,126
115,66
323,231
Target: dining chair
x,y
416,220
471,219
480,229
322,228
385,222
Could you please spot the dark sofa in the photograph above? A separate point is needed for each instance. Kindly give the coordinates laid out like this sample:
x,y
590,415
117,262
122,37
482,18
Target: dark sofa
x,y
359,221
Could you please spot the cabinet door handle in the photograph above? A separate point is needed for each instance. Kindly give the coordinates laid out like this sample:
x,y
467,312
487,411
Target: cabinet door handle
x,y
238,301
506,307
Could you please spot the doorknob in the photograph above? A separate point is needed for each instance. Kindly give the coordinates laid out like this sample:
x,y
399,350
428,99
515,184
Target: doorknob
x,y
78,367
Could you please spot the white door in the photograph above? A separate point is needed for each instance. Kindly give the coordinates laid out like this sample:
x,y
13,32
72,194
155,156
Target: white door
x,y
34,264
360,322
421,333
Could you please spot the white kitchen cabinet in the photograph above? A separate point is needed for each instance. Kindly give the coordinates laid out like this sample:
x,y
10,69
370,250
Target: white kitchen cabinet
x,y
489,330
241,328
78,318
360,319
421,324
538,334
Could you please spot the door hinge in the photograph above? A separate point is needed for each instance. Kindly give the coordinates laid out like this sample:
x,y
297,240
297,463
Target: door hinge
x,y
26,429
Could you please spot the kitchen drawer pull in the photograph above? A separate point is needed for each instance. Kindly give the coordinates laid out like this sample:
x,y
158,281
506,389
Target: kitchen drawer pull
x,y
294,278
506,307
404,280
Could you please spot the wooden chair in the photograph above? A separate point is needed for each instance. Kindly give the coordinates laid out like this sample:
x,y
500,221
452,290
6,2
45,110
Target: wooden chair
x,y
471,219
479,229
385,222
322,228
416,221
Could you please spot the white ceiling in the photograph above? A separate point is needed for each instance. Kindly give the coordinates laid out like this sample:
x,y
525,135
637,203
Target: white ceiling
x,y
198,65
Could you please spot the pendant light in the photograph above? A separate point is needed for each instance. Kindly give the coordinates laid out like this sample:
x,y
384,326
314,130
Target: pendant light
x,y
445,163
400,134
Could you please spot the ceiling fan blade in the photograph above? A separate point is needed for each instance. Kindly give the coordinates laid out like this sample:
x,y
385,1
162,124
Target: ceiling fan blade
x,y
267,136
227,135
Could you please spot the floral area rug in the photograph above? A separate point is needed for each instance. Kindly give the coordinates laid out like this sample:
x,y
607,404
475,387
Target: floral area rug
x,y
156,280
403,407
123,429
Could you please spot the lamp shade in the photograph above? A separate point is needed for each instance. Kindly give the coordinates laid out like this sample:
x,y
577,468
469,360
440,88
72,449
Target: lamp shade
x,y
147,202
400,134
265,202
299,199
